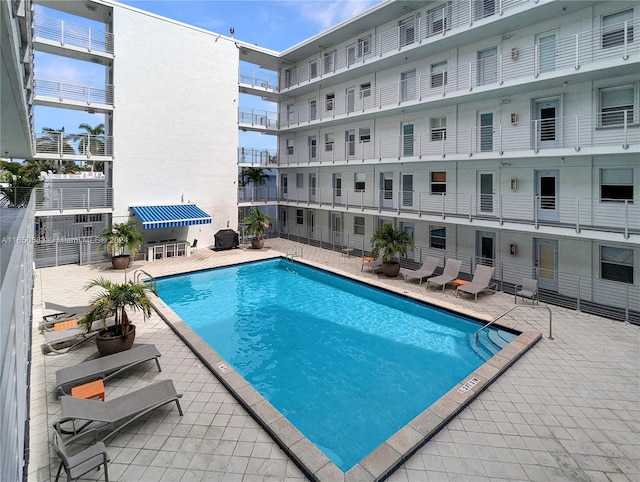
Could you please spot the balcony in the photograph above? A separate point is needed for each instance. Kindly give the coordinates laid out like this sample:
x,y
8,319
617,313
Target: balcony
x,y
257,194
51,200
555,136
81,147
561,212
259,82
257,120
53,91
51,34
249,156
580,53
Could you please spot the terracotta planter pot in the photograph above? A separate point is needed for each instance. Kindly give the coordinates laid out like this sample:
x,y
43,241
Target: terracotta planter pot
x,y
108,344
120,262
257,243
391,270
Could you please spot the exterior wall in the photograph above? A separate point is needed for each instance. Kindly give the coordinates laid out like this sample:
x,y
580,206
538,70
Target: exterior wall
x,y
175,126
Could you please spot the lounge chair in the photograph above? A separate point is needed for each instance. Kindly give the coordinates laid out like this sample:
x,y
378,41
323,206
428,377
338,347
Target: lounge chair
x,y
425,271
528,289
81,463
372,265
481,282
450,273
111,416
105,367
64,314
63,341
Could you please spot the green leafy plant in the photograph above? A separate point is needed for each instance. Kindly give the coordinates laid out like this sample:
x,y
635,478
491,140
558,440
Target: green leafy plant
x,y
257,223
120,236
113,301
390,242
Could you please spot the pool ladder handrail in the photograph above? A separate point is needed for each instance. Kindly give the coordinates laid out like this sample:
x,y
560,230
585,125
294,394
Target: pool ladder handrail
x,y
137,274
294,251
509,311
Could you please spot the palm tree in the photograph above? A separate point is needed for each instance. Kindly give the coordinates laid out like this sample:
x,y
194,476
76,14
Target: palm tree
x,y
91,143
54,141
253,175
389,241
32,168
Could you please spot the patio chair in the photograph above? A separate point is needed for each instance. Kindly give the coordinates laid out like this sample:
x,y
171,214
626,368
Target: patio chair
x,y
194,245
372,265
106,367
111,416
425,271
450,273
64,313
528,289
81,463
481,282
63,341
348,248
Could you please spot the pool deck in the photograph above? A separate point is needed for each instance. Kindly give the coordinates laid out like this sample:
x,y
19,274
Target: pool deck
x,y
569,409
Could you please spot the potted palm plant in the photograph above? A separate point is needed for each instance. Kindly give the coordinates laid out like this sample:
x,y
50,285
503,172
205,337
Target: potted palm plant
x,y
257,224
114,301
117,238
390,242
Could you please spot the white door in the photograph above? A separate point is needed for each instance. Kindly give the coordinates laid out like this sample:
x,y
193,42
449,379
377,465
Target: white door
x,y
409,228
547,51
312,187
310,223
407,31
351,99
547,199
350,144
408,85
547,124
487,193
336,228
486,131
546,263
407,139
485,248
487,66
386,189
337,188
407,190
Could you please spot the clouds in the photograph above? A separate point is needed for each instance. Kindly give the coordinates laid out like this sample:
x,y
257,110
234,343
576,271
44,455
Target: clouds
x,y
325,14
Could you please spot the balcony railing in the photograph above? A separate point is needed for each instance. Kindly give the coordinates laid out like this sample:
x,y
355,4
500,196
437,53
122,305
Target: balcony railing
x,y
259,79
444,21
73,90
568,54
255,156
257,118
68,198
67,33
572,133
575,213
64,145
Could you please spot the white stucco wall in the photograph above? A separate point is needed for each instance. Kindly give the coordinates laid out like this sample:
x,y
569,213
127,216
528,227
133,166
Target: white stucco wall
x,y
175,122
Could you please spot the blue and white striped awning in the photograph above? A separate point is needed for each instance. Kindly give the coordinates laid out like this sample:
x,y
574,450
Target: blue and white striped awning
x,y
170,215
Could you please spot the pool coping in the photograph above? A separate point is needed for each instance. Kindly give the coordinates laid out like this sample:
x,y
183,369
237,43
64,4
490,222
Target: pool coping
x,y
392,453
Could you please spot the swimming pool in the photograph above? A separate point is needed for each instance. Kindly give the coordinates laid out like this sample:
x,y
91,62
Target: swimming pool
x,y
347,364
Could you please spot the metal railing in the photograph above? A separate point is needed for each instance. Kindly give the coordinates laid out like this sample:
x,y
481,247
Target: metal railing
x,y
577,213
72,90
258,79
609,299
573,133
477,333
65,198
257,118
261,157
66,145
68,33
572,52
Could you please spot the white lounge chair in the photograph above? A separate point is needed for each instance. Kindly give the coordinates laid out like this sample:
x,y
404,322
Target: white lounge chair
x,y
63,341
528,289
372,265
450,273
425,271
481,282
348,248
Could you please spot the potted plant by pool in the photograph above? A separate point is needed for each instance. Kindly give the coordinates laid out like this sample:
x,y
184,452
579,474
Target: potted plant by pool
x,y
117,238
257,224
391,242
114,301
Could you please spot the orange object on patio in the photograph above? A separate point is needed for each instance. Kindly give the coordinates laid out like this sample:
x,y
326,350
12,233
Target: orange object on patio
x,y
89,390
63,325
459,282
367,259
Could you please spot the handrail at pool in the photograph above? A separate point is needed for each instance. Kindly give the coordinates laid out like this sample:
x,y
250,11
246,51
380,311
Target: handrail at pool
x,y
137,274
509,311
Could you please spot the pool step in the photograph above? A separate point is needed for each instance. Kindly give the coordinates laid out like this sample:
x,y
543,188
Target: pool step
x,y
490,342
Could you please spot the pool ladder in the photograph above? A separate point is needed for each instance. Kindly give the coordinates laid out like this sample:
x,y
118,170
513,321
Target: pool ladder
x,y
137,275
292,252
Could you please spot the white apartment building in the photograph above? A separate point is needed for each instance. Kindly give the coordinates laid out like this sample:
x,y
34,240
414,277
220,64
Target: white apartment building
x,y
496,132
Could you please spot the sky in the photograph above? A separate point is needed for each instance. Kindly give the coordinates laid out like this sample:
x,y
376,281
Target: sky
x,y
273,24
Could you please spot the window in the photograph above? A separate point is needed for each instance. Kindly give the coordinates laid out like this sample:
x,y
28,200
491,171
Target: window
x,y
438,127
408,85
407,139
438,182
288,75
365,90
329,101
289,147
328,142
438,237
284,183
407,31
365,134
438,19
614,102
439,74
616,185
616,264
312,184
299,216
359,181
87,231
358,225
290,112
364,46
87,218
312,144
313,69
313,109
329,61
407,190
299,180
613,28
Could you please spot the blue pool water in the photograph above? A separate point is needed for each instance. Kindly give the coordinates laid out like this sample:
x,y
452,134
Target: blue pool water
x,y
347,364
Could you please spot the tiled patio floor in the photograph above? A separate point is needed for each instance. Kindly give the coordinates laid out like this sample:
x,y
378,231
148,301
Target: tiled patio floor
x,y
568,410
